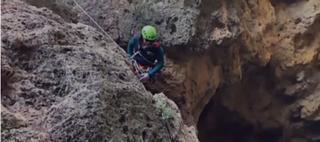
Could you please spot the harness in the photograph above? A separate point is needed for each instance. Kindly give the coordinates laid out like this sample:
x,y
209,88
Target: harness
x,y
144,58
155,44
138,69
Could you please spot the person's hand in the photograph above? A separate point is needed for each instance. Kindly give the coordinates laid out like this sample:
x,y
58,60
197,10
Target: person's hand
x,y
144,77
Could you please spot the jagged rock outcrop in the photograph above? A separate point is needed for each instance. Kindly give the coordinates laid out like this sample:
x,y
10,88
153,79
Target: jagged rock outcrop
x,y
310,106
67,82
61,7
171,111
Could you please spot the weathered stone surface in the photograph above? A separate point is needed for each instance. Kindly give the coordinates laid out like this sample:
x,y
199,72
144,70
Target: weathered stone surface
x,y
173,120
10,120
121,18
259,56
61,7
258,109
67,82
311,106
233,34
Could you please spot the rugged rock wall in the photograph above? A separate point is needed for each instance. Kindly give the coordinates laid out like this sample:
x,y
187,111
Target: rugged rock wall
x,y
251,50
212,43
260,108
61,7
67,82
120,18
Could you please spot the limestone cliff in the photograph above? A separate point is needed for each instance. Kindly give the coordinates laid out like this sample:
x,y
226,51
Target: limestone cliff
x,y
67,82
256,61
211,43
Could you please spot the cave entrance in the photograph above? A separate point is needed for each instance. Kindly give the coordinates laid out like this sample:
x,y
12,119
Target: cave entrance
x,y
218,123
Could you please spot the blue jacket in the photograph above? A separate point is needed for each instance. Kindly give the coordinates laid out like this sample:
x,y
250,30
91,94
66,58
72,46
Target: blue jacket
x,y
151,55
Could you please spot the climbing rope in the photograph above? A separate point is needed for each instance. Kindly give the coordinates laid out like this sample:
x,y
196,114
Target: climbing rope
x,y
92,20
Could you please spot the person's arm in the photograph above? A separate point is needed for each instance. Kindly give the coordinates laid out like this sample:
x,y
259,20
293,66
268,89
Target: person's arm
x,y
159,65
131,46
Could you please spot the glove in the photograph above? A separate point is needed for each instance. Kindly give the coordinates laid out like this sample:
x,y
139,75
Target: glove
x,y
144,77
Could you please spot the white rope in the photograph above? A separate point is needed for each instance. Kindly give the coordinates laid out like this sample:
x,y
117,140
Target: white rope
x,y
104,32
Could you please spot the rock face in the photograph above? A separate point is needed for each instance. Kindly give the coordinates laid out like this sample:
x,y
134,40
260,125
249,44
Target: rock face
x,y
67,82
190,84
216,40
61,7
256,61
120,18
171,111
258,109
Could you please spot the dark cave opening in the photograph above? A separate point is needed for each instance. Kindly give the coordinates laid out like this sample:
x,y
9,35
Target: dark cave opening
x,y
223,123
218,123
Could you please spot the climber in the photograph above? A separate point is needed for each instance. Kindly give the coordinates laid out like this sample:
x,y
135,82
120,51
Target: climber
x,y
145,50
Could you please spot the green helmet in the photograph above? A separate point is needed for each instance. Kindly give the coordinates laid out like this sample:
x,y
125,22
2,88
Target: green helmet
x,y
149,33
